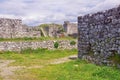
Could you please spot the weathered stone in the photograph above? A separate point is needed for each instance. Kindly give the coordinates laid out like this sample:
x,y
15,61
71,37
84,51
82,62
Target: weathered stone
x,y
17,46
99,33
13,28
70,28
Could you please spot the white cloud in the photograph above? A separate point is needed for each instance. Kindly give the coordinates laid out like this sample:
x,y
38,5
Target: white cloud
x,y
107,4
34,12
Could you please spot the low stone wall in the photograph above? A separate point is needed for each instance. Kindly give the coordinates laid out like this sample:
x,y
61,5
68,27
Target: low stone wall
x,y
17,46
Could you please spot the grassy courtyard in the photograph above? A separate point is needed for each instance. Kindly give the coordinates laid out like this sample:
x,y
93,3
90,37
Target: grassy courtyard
x,y
74,70
39,65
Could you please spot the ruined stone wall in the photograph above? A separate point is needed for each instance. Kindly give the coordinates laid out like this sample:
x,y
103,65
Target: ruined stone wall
x,y
99,37
13,28
9,28
52,30
17,46
29,32
70,28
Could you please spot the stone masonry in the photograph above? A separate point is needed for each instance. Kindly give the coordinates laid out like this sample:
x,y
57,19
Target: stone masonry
x,y
51,31
17,46
13,28
70,28
99,37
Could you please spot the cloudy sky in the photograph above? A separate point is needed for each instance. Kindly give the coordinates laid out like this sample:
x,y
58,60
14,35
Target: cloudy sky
x,y
34,12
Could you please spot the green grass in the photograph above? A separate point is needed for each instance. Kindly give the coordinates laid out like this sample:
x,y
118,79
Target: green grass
x,y
31,57
35,39
74,70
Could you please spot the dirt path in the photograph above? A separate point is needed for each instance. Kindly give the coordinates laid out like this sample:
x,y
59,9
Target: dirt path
x,y
7,71
63,60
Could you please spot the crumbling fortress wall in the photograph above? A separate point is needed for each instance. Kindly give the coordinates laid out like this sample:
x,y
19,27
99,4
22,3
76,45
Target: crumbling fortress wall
x,y
51,30
70,28
13,28
99,37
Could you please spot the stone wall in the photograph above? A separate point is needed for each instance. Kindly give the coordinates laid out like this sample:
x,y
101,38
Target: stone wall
x,y
51,31
29,32
13,28
17,46
99,37
70,28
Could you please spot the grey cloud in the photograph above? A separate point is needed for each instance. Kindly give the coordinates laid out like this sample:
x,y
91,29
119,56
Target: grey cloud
x,y
34,12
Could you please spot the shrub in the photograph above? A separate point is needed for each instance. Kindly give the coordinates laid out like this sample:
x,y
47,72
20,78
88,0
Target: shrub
x,y
56,44
72,43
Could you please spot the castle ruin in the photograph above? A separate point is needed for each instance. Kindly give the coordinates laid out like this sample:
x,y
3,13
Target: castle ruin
x,y
13,28
99,37
70,28
51,30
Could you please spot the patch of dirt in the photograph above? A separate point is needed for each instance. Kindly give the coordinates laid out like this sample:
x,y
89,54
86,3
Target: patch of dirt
x,y
5,70
63,60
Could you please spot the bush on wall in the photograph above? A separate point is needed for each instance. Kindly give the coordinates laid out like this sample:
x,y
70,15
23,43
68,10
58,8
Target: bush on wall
x,y
72,43
56,44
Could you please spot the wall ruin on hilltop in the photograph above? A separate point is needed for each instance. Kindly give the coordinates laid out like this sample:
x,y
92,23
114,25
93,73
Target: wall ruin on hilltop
x,y
52,30
99,37
70,28
13,28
